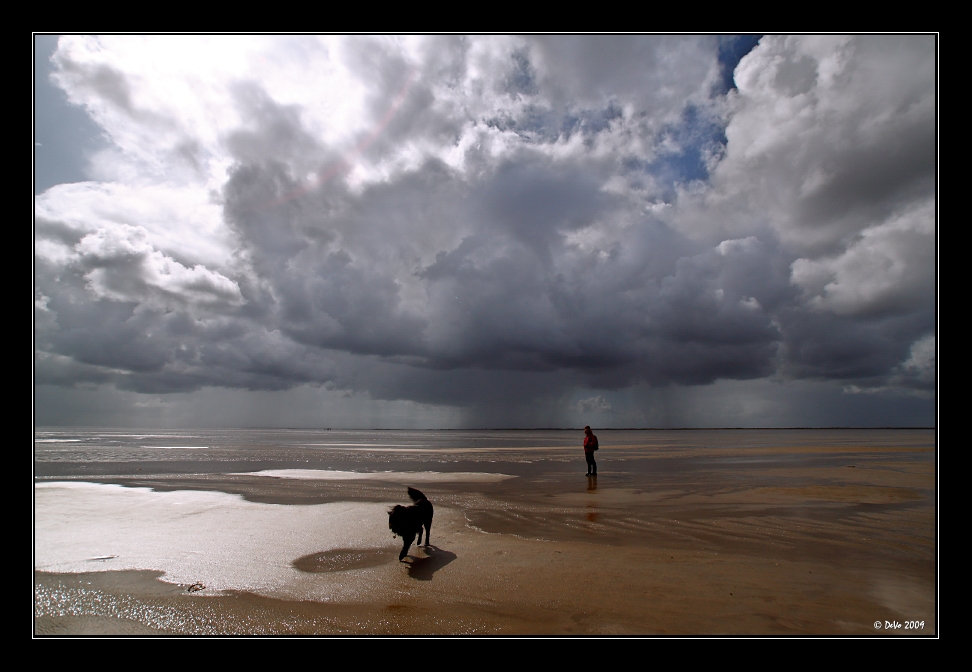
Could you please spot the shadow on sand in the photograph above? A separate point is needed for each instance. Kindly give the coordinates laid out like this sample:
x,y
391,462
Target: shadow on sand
x,y
423,568
343,559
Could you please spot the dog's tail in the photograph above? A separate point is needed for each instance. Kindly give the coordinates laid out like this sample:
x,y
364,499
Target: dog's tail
x,y
416,495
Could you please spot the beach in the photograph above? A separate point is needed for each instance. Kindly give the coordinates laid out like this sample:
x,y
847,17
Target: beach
x,y
693,532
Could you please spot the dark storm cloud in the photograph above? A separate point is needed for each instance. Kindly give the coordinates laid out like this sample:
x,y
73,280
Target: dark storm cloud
x,y
509,223
537,204
842,348
871,179
513,294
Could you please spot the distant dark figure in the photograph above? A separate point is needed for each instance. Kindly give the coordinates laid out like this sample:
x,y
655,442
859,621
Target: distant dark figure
x,y
590,445
406,521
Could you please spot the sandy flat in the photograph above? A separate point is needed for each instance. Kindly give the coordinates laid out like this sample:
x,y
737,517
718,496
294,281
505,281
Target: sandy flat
x,y
712,544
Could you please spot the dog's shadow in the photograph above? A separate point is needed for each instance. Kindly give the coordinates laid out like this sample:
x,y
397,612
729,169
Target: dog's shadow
x,y
423,568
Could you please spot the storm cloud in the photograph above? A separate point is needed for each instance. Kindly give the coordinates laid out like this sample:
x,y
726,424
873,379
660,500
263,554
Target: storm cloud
x,y
536,227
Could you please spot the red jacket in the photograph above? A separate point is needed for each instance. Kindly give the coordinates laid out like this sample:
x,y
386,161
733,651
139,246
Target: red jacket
x,y
590,443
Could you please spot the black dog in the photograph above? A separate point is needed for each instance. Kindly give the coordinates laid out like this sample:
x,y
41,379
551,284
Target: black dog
x,y
405,521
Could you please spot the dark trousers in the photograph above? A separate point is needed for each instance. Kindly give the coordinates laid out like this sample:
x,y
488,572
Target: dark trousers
x,y
591,464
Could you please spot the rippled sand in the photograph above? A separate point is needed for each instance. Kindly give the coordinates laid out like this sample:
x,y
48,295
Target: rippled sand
x,y
692,535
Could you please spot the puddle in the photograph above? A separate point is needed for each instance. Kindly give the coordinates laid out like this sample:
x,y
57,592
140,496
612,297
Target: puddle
x,y
342,559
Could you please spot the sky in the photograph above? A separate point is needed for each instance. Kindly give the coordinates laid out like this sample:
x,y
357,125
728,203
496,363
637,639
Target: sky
x,y
485,231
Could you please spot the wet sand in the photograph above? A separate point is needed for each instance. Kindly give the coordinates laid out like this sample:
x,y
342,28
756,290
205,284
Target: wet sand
x,y
813,537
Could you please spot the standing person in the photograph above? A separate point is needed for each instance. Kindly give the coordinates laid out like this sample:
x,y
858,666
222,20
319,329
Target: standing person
x,y
590,445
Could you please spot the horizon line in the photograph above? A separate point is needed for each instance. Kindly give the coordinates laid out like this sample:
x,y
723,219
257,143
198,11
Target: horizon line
x,y
485,429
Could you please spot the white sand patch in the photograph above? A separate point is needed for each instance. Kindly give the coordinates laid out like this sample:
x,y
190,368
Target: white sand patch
x,y
404,477
219,539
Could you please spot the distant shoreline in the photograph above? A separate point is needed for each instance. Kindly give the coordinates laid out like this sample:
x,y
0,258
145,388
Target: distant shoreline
x,y
474,429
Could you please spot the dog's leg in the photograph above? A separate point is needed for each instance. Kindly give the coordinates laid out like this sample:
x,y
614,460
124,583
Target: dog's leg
x,y
407,541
